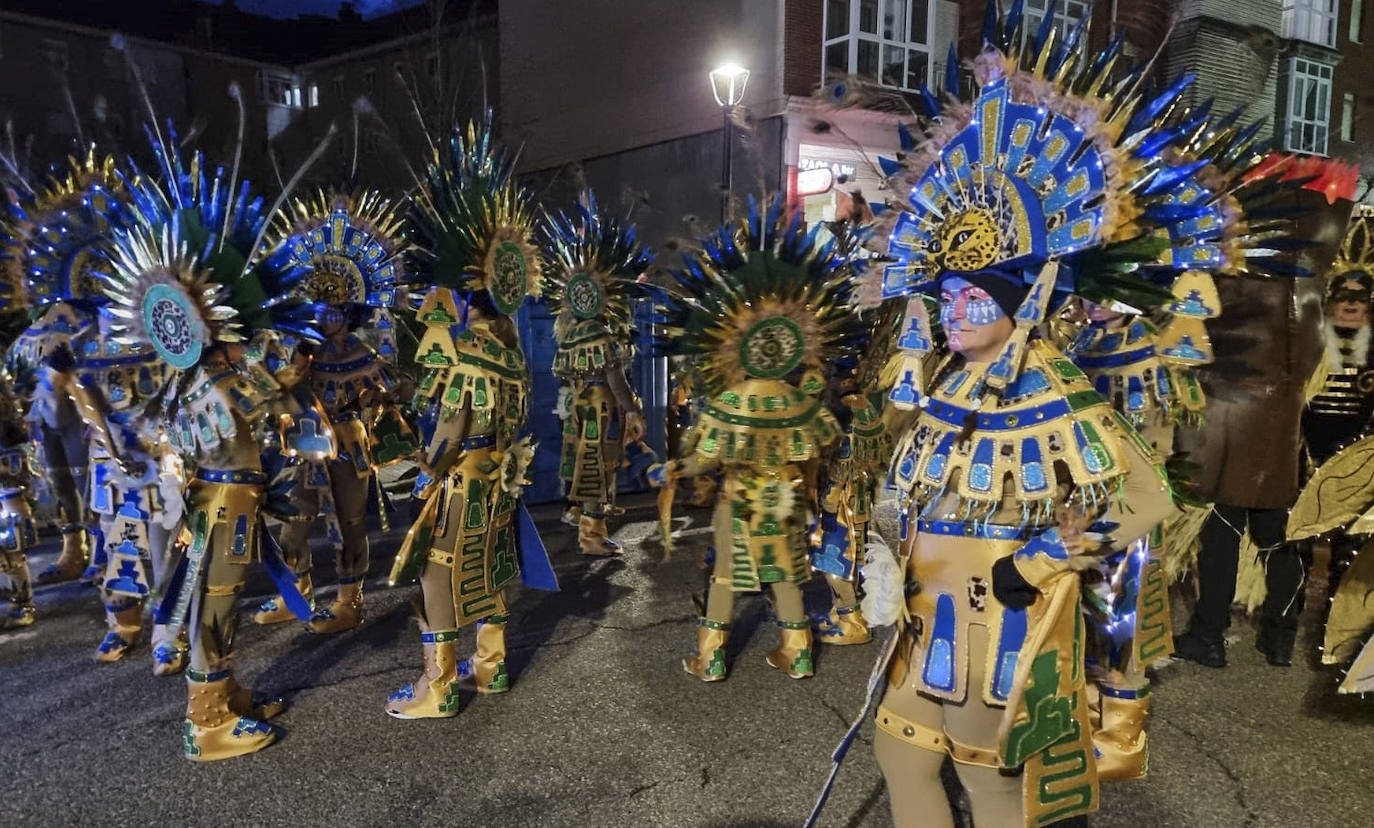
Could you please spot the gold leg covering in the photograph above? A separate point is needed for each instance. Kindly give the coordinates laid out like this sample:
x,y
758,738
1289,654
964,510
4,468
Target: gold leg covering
x,y
793,655
213,730
244,703
275,611
345,613
124,619
435,694
844,625
707,661
1120,739
592,536
71,561
486,672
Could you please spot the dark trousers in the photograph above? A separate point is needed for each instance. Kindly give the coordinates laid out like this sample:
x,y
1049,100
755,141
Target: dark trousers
x,y
1285,570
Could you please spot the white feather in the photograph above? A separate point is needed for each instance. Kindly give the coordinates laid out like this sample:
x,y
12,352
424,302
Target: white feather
x,y
884,587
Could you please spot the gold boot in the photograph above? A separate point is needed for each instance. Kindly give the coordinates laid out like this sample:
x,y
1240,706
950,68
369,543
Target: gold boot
x,y
707,661
124,616
18,615
485,672
435,694
592,539
1120,740
345,613
169,651
793,655
212,730
244,703
572,515
71,561
844,625
274,611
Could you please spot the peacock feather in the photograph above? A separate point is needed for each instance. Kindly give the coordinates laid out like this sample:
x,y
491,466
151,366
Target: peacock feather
x,y
473,223
762,299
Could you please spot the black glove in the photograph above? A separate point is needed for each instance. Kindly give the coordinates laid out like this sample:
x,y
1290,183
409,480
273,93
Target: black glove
x,y
1010,588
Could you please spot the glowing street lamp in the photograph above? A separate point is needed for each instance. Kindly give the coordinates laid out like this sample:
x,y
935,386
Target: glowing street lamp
x,y
727,85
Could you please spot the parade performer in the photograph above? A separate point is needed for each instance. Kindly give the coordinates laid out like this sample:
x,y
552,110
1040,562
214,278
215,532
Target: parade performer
x,y
185,283
350,254
851,479
764,305
1340,410
112,384
473,536
592,260
1337,500
1145,377
1266,346
52,240
1017,474
18,533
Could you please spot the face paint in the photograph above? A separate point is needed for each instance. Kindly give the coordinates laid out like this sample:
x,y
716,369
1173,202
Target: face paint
x,y
971,318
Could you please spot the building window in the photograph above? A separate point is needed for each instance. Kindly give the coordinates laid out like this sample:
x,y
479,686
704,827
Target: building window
x,y
1356,20
1348,117
369,80
55,53
279,90
314,99
1309,106
432,65
339,87
883,40
1311,20
1067,15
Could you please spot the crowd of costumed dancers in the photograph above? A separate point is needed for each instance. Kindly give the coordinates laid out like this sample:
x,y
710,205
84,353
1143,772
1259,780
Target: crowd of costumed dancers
x,y
1016,342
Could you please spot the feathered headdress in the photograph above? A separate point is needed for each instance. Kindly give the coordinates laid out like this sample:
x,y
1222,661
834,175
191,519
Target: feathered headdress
x,y
592,261
54,242
184,274
1051,174
762,299
1357,251
474,224
343,248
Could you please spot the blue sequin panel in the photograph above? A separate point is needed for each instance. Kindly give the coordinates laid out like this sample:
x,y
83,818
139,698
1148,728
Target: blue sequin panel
x,y
980,472
1135,394
1008,647
1092,461
935,466
1033,479
939,669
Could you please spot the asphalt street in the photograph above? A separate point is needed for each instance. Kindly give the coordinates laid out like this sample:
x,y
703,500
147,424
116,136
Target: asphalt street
x,y
602,726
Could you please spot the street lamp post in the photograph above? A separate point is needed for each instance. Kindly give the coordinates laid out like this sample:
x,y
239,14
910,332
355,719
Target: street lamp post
x,y
727,85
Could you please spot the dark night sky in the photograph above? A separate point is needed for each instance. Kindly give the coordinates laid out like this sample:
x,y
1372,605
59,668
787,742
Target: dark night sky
x,y
292,8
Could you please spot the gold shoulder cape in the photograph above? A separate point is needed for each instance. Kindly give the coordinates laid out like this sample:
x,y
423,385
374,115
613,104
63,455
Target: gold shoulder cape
x,y
1049,426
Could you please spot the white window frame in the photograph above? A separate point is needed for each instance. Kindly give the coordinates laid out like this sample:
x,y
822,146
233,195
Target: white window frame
x,y
1308,132
1356,21
1348,117
1067,15
313,99
1313,21
851,36
276,89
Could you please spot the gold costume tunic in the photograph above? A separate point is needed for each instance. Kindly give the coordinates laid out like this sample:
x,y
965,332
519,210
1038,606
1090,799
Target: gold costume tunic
x,y
592,363
347,377
981,479
472,403
215,428
767,436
